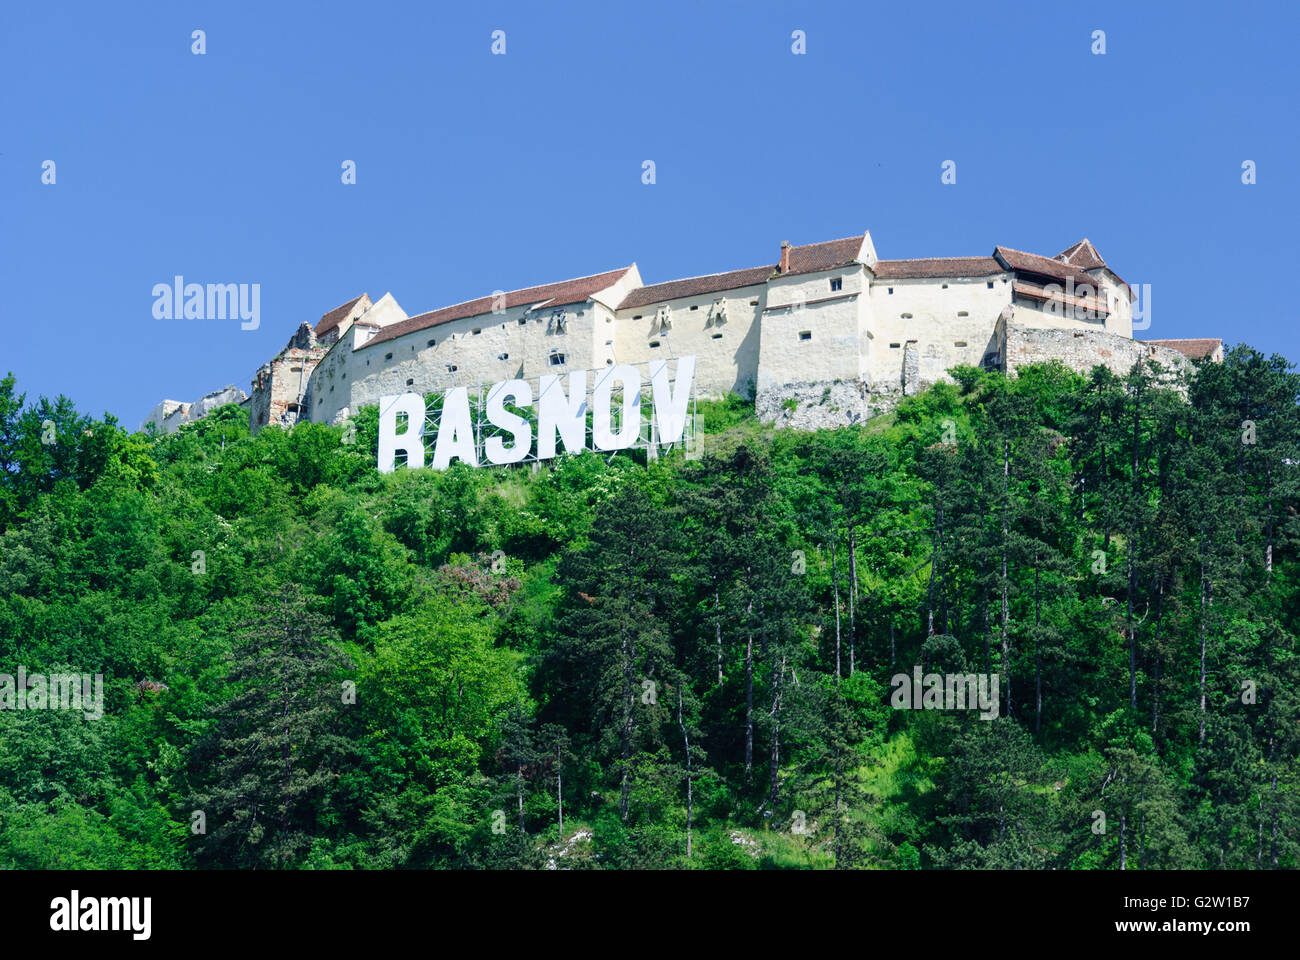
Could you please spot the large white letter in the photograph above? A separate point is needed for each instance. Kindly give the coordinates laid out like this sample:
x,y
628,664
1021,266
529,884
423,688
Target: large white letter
x,y
601,401
455,431
670,404
390,441
566,414
495,448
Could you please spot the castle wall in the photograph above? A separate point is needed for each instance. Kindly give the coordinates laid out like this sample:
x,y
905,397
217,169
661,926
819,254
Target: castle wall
x,y
952,320
812,332
726,350
1081,350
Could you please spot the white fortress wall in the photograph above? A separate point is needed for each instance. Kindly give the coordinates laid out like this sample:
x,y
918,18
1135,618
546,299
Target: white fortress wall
x,y
953,320
812,327
720,329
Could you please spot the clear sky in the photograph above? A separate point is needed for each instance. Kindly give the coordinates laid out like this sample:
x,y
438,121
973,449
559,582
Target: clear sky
x,y
478,172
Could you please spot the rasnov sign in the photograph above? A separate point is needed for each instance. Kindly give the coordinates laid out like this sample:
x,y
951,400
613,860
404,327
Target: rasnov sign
x,y
486,431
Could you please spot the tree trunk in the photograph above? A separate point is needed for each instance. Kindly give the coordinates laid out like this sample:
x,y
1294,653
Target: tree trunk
x,y
690,795
749,705
1006,607
1201,736
853,600
774,752
835,583
1038,654
717,625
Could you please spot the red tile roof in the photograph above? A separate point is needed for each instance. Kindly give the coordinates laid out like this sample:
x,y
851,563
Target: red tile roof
x,y
1202,347
1043,266
332,319
695,286
937,267
555,294
1083,254
813,257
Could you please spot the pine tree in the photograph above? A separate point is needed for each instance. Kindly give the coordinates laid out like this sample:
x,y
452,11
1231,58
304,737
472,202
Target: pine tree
x,y
277,749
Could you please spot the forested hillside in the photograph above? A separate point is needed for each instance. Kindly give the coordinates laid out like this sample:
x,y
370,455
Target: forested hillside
x,y
612,663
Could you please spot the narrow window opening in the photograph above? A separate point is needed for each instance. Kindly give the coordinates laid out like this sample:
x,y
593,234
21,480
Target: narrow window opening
x,y
805,334
837,283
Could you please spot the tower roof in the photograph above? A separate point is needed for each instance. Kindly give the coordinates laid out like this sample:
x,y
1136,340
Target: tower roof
x,y
1082,254
336,316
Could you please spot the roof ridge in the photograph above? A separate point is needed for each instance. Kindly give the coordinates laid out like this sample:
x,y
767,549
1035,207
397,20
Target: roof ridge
x,y
535,286
914,259
705,276
818,243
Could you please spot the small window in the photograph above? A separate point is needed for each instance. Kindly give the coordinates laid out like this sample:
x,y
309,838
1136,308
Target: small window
x,y
891,289
894,346
837,283
753,303
503,356
990,284
696,307
654,343
959,343
477,331
906,316
388,356
716,336
609,363
805,334
963,313
432,342
410,382
331,389
557,359
945,286
452,368
637,317
522,321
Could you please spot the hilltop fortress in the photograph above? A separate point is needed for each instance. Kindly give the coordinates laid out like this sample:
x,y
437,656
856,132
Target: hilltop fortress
x,y
829,334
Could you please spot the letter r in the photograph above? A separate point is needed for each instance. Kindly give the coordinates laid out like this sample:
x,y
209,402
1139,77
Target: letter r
x,y
411,440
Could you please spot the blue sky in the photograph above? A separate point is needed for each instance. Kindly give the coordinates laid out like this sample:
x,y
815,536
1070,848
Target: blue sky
x,y
477,172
